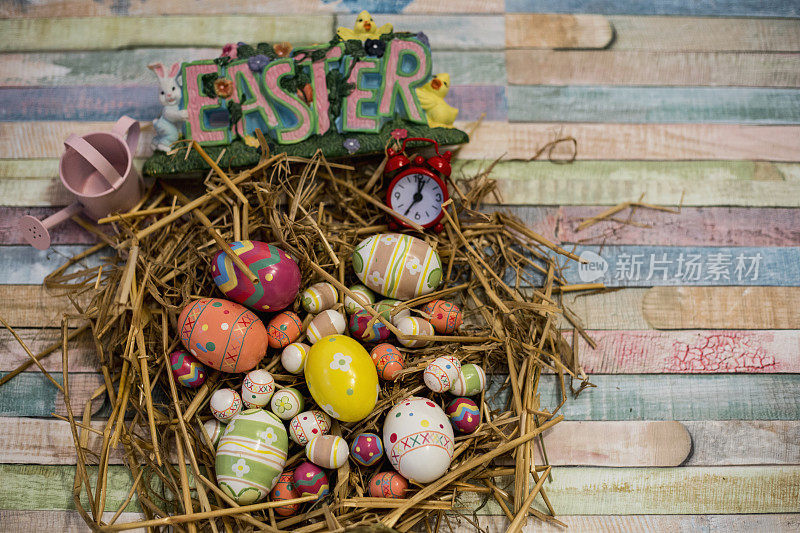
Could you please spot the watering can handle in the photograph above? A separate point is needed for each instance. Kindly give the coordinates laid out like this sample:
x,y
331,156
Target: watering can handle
x,y
95,158
128,129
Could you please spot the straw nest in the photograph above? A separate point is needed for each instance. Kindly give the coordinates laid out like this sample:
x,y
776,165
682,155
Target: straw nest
x,y
505,277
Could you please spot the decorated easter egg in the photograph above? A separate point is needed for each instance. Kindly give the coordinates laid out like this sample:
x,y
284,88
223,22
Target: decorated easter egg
x,y
310,479
444,316
364,296
388,361
464,414
251,455
341,378
388,485
278,276
319,297
222,334
397,266
257,388
284,329
418,439
414,325
293,357
366,449
387,310
285,490
361,329
225,404
307,425
441,373
213,429
327,451
187,370
471,380
326,323
286,403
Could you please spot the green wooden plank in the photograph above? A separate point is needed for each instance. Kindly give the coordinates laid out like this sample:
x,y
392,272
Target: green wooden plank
x,y
122,67
86,33
732,105
689,183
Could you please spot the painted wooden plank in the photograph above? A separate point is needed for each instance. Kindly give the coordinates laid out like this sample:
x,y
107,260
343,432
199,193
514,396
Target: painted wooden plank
x,y
633,67
681,397
738,523
86,33
33,306
693,226
542,220
736,307
684,183
446,32
720,8
67,233
691,351
685,34
649,266
32,394
690,490
491,140
123,67
613,310
20,521
728,105
101,8
25,265
96,103
82,352
742,442
632,141
557,31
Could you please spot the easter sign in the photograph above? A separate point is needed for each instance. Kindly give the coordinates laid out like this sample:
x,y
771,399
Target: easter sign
x,y
349,96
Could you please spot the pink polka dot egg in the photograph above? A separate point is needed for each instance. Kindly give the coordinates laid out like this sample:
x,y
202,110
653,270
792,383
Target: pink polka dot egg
x,y
366,449
311,479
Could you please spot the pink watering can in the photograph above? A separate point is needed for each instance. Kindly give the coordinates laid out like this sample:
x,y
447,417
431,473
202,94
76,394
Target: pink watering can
x,y
98,169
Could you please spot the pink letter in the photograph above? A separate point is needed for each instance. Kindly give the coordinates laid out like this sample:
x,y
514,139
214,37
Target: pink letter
x,y
319,70
306,122
354,120
257,103
197,103
398,82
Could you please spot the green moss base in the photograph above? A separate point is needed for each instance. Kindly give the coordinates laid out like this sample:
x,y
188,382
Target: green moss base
x,y
239,155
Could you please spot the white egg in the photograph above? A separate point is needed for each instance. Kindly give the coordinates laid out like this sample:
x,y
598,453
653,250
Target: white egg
x,y
257,388
419,439
293,357
326,323
441,373
225,404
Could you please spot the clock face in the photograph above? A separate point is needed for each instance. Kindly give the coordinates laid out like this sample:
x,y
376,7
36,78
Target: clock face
x,y
417,197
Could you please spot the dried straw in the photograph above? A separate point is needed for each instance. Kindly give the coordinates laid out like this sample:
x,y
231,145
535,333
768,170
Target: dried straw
x,y
316,211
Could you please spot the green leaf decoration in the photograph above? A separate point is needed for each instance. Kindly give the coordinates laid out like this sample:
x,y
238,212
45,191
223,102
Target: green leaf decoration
x,y
222,61
355,48
245,51
234,115
266,49
435,278
208,84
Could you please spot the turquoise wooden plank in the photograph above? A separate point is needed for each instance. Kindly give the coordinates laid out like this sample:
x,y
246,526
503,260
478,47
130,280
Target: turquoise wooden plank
x,y
718,8
31,394
96,103
23,264
673,397
650,266
739,105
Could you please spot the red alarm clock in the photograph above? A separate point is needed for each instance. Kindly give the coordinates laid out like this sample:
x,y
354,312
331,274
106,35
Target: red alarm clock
x,y
418,189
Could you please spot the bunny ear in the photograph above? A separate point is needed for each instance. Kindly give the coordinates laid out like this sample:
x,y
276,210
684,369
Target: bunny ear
x,y
174,69
158,68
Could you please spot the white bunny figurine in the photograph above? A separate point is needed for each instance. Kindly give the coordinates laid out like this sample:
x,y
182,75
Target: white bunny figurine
x,y
166,126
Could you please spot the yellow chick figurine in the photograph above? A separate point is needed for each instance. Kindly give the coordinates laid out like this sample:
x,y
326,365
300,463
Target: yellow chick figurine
x,y
431,95
364,29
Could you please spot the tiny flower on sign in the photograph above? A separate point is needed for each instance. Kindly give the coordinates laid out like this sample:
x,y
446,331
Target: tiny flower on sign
x,y
223,87
399,134
351,145
229,50
257,63
375,47
282,49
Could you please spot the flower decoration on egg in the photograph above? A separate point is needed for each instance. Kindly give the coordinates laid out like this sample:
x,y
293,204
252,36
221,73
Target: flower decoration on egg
x,y
330,410
413,265
283,404
376,278
240,468
351,144
268,436
375,47
223,87
341,362
257,63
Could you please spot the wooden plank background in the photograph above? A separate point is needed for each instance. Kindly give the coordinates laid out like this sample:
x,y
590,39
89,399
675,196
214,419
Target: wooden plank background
x,y
695,421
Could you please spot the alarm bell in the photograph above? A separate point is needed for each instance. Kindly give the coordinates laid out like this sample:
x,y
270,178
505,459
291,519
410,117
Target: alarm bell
x,y
397,160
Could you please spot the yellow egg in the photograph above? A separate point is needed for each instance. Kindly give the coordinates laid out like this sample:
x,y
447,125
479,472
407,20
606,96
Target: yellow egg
x,y
342,378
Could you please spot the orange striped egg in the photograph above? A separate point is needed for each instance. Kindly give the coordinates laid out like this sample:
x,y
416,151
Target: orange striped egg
x,y
327,451
444,316
284,329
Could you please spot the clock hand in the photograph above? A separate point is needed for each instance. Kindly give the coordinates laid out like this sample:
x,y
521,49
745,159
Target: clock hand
x,y
417,195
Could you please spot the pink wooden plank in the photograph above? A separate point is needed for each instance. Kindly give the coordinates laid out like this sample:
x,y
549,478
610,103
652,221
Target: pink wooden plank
x,y
691,352
66,233
542,220
703,226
